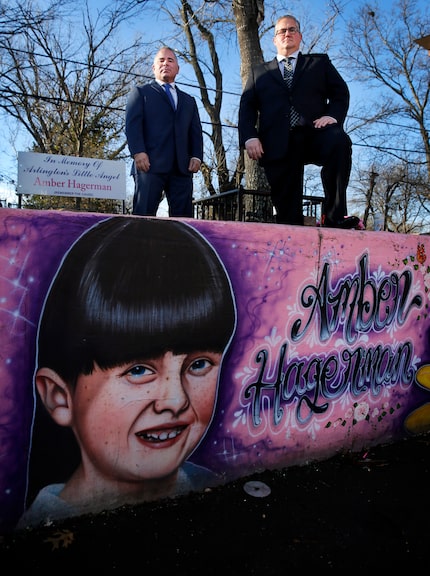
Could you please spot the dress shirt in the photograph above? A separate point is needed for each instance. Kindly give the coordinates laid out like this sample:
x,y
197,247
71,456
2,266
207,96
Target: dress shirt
x,y
281,59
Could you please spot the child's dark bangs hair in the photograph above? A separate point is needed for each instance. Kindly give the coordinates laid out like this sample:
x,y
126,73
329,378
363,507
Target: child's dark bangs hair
x,y
131,289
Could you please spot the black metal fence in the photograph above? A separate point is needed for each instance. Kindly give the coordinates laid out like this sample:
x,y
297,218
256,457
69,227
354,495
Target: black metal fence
x,y
245,205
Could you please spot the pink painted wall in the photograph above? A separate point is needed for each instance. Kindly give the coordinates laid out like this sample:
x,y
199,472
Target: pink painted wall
x,y
330,350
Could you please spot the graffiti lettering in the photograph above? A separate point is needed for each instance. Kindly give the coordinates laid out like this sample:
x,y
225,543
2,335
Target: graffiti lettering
x,y
358,303
312,382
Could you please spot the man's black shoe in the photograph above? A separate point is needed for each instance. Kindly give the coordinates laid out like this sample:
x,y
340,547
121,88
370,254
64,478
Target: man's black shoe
x,y
346,223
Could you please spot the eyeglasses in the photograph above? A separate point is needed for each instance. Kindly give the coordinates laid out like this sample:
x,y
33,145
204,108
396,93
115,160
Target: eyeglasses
x,y
283,31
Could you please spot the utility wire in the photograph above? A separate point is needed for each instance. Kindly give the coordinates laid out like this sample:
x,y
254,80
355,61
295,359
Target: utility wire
x,y
122,110
149,78
10,92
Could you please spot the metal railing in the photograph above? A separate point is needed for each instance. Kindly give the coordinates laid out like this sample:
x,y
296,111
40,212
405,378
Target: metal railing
x,y
245,205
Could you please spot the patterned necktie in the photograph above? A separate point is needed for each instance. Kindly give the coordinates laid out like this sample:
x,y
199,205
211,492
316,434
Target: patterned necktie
x,y
168,89
288,77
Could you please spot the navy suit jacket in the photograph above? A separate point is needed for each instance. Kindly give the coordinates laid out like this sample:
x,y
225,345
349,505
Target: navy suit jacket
x,y
166,135
317,90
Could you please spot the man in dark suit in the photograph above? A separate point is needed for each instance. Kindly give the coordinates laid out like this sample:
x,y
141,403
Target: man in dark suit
x,y
291,114
165,139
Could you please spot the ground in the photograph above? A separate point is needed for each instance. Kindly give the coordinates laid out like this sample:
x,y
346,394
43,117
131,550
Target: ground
x,y
355,511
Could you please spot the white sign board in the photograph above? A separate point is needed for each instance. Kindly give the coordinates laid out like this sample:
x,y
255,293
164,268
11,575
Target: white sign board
x,y
56,175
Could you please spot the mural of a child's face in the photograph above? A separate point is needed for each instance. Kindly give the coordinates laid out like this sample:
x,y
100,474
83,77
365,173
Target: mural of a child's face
x,y
130,345
141,421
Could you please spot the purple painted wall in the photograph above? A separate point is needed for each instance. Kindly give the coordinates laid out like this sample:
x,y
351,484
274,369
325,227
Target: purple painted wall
x,y
330,350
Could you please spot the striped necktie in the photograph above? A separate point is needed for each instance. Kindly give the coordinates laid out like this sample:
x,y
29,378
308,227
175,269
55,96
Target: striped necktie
x,y
288,77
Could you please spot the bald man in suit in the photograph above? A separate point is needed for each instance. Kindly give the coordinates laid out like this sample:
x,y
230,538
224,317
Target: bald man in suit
x,y
283,145
164,136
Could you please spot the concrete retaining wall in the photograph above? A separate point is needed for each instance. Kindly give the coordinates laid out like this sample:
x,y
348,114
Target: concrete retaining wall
x,y
330,352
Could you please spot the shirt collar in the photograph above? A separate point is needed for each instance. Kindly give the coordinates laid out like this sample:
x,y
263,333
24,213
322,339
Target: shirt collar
x,y
280,58
172,84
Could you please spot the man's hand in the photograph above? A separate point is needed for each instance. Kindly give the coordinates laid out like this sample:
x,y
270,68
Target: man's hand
x,y
254,148
141,161
194,165
324,121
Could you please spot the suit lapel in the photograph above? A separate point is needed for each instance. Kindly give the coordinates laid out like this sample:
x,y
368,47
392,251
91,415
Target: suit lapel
x,y
273,68
161,91
302,64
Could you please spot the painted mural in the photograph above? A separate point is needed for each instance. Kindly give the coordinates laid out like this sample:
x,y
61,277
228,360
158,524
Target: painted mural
x,y
144,358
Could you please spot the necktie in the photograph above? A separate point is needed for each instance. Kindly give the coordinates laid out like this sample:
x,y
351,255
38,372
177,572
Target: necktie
x,y
168,89
288,77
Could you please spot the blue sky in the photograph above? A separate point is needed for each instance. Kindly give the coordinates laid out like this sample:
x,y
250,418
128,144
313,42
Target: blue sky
x,y
310,13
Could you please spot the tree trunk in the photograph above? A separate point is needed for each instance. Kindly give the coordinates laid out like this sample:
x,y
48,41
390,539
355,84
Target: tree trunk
x,y
248,15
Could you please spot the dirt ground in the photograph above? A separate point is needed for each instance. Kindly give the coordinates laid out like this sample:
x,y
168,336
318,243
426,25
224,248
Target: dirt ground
x,y
368,510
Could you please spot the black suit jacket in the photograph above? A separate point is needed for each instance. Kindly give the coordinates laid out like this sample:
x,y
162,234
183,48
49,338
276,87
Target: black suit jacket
x,y
152,126
318,90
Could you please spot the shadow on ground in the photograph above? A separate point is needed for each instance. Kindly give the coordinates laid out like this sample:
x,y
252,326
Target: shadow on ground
x,y
367,510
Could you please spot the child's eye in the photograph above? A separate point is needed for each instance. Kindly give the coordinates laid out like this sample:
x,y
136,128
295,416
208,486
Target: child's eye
x,y
139,371
200,367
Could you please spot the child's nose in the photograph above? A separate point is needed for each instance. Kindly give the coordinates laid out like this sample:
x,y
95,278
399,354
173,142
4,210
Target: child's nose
x,y
171,395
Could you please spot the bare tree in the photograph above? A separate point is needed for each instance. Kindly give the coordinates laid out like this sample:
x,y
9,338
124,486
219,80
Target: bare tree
x,y
381,50
249,15
69,95
387,195
14,17
201,28
193,23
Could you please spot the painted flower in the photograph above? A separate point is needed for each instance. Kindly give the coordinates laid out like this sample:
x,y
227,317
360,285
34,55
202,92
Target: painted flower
x,y
361,411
